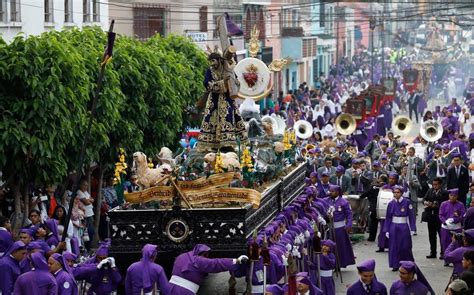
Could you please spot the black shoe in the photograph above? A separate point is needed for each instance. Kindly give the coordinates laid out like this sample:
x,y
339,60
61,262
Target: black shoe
x,y
446,264
394,269
431,256
380,250
441,257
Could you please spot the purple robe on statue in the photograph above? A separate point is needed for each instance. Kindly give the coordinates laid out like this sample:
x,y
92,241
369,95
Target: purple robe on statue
x,y
142,275
342,221
190,269
414,287
399,221
6,240
10,269
450,215
38,281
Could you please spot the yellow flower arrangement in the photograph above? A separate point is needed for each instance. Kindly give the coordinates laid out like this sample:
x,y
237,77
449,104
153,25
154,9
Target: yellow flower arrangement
x,y
218,167
287,140
246,161
120,166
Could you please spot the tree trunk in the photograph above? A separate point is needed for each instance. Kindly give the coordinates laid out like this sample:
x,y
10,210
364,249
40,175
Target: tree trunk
x,y
26,204
97,207
17,216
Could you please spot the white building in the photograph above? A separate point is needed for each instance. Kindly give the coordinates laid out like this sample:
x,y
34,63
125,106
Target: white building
x,y
33,17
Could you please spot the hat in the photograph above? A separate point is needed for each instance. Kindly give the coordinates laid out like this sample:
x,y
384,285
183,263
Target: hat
x,y
314,174
376,164
324,174
340,169
403,143
384,142
329,243
103,249
389,150
438,147
393,174
469,235
367,265
458,286
317,150
355,161
312,151
18,245
398,188
454,191
383,157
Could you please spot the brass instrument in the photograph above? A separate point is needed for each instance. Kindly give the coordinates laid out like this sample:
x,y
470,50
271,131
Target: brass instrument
x,y
345,124
303,129
309,147
456,149
431,130
402,125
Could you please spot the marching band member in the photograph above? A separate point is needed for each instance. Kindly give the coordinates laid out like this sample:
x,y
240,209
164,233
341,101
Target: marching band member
x,y
342,180
399,225
434,197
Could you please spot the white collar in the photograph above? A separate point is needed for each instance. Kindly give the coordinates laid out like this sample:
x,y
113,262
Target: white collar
x,y
56,273
306,293
399,200
2,228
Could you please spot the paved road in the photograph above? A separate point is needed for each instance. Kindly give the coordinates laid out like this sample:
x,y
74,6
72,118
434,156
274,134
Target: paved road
x,y
433,269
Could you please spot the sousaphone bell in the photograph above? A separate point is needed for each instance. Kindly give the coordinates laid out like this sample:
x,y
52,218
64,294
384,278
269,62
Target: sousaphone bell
x,y
345,124
431,130
303,129
402,125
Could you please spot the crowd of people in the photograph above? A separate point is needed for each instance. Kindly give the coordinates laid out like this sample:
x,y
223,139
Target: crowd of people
x,y
310,239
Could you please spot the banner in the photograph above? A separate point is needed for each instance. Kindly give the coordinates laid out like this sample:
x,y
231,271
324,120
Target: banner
x,y
199,191
203,182
156,193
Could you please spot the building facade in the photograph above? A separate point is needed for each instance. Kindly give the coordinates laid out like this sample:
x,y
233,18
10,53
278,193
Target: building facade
x,y
33,17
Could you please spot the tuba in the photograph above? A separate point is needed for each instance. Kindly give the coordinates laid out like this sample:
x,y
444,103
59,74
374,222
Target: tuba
x,y
345,124
431,130
402,125
303,129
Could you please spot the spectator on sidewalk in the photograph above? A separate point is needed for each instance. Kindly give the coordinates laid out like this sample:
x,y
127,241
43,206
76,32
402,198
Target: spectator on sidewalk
x,y
85,198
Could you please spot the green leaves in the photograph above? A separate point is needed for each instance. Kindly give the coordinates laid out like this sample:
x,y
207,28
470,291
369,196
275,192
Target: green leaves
x,y
46,87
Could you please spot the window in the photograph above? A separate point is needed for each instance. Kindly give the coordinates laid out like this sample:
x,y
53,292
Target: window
x,y
149,20
48,11
68,11
86,11
322,14
96,11
15,11
3,11
203,19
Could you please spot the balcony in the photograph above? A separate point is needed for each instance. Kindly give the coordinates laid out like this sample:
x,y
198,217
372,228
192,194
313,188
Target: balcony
x,y
292,32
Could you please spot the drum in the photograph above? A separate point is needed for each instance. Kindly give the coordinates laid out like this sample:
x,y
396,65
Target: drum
x,y
384,197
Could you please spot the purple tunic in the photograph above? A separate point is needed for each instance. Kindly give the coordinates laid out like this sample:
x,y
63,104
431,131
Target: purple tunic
x,y
103,281
10,270
449,210
66,283
376,288
38,281
6,240
415,287
194,268
400,220
342,221
328,263
134,279
454,253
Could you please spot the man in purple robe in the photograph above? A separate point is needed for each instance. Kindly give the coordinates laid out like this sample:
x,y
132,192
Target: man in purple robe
x,y
407,284
328,264
451,214
368,283
59,267
341,214
52,237
455,251
274,290
10,267
6,239
144,274
102,273
38,281
399,226
190,269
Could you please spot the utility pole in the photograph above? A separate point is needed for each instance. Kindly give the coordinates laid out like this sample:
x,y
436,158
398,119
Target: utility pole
x,y
382,36
372,59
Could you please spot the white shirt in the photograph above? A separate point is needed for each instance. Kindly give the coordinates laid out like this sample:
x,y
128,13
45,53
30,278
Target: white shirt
x,y
88,209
